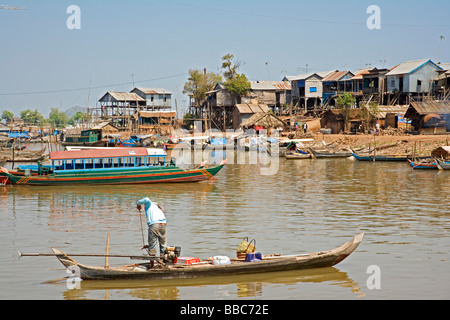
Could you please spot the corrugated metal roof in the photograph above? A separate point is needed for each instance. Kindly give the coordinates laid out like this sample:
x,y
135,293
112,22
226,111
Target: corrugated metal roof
x,y
153,90
435,107
123,96
270,85
337,75
252,108
359,73
306,76
102,125
408,66
444,66
98,153
397,109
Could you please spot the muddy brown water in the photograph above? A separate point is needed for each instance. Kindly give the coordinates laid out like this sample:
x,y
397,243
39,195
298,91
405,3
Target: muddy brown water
x,y
308,205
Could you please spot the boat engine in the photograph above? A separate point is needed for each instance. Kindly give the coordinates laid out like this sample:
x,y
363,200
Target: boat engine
x,y
171,253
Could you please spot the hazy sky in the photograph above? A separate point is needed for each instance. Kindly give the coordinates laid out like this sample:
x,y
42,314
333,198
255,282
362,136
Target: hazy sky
x,y
44,64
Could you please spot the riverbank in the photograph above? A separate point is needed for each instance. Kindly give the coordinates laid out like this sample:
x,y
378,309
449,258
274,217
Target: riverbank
x,y
396,144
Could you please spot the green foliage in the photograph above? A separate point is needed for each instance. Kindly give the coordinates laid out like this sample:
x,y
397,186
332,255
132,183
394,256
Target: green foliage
x,y
345,101
199,83
236,83
58,118
79,117
32,117
7,115
189,119
238,86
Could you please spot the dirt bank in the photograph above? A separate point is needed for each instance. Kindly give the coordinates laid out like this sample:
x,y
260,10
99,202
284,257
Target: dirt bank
x,y
393,144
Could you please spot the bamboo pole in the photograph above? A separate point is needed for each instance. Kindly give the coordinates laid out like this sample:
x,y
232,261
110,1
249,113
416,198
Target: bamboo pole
x,y
136,257
107,252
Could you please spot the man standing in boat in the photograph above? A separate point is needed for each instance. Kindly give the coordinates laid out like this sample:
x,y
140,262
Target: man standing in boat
x,y
156,221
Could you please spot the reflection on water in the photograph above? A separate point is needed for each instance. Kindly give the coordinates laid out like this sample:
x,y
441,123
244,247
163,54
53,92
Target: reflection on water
x,y
240,286
309,205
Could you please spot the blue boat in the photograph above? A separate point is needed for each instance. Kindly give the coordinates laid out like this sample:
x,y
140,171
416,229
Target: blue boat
x,y
426,164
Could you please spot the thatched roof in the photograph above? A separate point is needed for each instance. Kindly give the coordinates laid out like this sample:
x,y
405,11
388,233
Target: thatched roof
x,y
265,120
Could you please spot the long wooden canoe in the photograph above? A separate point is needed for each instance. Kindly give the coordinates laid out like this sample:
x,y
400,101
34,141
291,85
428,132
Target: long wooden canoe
x,y
269,263
330,154
380,157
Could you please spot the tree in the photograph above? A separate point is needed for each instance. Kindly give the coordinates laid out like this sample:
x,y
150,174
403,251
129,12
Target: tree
x,y
199,83
7,115
230,65
344,103
236,83
79,117
58,118
32,117
238,86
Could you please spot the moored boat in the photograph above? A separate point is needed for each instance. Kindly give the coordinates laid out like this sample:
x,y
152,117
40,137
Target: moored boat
x,y
430,164
297,154
22,155
443,165
330,153
205,268
380,157
110,166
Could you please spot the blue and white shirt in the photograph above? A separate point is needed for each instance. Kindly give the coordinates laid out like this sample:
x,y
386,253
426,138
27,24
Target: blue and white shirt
x,y
152,211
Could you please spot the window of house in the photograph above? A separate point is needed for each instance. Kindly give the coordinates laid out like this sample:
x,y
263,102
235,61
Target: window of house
x,y
313,89
419,82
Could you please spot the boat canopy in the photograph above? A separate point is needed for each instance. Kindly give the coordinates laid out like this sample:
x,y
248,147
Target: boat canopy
x,y
99,153
106,158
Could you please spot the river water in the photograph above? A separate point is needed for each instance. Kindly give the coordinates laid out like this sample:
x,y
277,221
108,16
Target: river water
x,y
305,206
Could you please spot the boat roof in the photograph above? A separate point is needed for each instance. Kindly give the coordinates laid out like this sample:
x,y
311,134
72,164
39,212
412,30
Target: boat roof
x,y
151,151
99,153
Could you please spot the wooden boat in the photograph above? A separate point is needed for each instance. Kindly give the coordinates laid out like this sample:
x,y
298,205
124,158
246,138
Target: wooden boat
x,y
110,166
330,153
431,164
205,268
443,165
297,155
22,155
380,157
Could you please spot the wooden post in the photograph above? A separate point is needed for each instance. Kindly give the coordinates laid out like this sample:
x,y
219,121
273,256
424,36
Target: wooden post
x,y
374,148
107,252
13,151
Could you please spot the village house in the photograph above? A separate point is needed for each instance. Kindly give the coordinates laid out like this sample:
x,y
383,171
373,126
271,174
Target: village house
x,y
338,122
306,91
153,122
217,111
275,94
156,98
118,107
374,81
413,76
442,82
336,83
429,116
